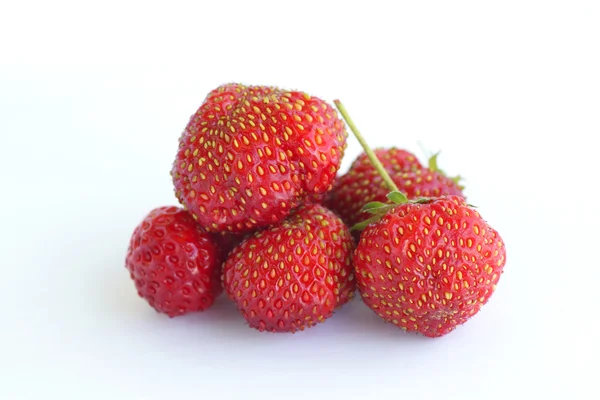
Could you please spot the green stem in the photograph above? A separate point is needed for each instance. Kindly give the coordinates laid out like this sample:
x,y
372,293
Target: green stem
x,y
374,160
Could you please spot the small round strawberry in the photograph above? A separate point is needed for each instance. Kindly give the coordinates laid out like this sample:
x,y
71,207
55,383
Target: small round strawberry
x,y
175,265
362,183
425,265
251,154
429,266
294,274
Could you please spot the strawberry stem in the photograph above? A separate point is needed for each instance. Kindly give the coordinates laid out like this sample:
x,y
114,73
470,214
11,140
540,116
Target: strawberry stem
x,y
374,160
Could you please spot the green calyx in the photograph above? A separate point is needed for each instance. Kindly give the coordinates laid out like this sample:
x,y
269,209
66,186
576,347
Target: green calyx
x,y
379,209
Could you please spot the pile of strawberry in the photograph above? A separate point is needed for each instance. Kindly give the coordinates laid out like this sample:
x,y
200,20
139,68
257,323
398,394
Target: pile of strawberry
x,y
265,219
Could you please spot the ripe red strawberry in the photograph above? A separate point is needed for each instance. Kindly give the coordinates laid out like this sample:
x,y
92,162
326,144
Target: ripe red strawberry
x,y
294,274
251,154
174,264
429,266
426,265
363,184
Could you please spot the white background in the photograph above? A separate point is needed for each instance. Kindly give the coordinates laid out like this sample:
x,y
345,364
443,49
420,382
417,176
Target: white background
x,y
93,97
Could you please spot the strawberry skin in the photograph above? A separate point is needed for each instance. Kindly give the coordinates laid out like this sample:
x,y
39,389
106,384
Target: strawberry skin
x,y
294,274
393,159
363,184
429,267
251,154
226,242
174,264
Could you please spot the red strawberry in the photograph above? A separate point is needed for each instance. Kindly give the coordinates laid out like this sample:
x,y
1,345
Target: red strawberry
x,y
429,266
251,154
174,264
294,274
363,184
425,265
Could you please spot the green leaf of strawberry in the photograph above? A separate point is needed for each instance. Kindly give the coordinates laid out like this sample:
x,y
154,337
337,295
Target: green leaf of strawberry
x,y
373,206
397,197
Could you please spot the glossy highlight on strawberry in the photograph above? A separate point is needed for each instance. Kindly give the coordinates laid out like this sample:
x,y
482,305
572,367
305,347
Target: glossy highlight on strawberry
x,y
175,265
251,154
294,274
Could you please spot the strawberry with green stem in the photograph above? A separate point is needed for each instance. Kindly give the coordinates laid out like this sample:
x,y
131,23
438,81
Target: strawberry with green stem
x,y
426,265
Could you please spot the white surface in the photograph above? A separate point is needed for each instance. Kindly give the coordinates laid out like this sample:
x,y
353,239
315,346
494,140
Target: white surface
x,y
93,99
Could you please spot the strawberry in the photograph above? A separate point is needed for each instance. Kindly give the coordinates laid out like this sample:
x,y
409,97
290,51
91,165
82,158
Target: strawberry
x,y
251,154
429,266
363,184
425,265
174,264
293,274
